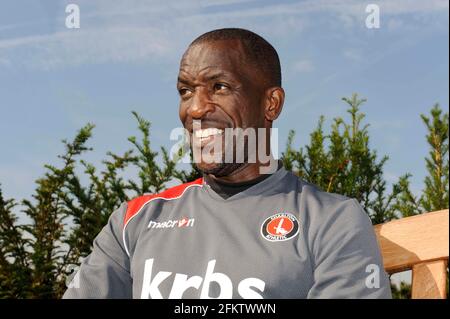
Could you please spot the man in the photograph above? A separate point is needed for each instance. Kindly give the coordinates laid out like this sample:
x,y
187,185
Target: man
x,y
235,233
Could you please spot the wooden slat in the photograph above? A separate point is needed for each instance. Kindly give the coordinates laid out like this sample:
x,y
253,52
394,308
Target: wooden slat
x,y
429,280
412,240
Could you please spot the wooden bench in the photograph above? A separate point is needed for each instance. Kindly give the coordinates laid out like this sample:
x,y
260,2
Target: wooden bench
x,y
419,243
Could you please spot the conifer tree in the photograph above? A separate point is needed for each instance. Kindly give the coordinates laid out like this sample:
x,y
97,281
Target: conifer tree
x,y
434,195
15,272
342,162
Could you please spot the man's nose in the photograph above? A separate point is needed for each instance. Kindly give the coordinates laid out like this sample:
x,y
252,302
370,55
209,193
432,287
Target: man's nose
x,y
201,104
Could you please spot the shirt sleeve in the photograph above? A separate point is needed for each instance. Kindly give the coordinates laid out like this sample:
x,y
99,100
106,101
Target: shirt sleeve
x,y
105,273
347,259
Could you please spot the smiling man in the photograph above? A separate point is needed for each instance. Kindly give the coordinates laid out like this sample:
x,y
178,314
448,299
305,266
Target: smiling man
x,y
240,89
247,228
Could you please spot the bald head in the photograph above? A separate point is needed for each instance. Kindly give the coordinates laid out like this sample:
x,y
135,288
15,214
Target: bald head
x,y
258,52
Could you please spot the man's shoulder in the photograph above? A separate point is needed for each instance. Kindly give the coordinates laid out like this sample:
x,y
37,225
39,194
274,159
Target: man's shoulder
x,y
311,191
320,205
137,204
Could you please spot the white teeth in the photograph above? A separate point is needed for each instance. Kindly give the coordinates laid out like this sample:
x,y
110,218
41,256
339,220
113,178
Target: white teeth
x,y
207,132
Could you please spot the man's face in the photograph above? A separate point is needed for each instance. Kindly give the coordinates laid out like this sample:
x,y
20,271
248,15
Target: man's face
x,y
220,88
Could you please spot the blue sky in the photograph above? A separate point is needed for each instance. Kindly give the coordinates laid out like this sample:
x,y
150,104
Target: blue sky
x,y
125,57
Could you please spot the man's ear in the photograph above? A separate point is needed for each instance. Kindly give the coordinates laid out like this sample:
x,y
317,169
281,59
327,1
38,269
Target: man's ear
x,y
274,103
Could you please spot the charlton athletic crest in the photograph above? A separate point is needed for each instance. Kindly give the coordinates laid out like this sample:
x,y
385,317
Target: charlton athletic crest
x,y
280,227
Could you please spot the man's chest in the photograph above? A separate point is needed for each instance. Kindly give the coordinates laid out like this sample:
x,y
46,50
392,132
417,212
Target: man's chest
x,y
222,251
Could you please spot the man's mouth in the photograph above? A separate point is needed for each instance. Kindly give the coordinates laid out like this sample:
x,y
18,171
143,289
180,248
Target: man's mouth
x,y
207,135
207,132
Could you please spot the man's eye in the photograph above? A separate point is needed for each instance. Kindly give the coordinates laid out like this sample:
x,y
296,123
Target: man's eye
x,y
184,92
220,87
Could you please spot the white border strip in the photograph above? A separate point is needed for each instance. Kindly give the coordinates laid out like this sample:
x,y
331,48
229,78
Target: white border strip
x,y
143,205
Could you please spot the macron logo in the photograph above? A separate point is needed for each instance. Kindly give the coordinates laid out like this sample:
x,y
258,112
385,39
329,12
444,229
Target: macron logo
x,y
183,222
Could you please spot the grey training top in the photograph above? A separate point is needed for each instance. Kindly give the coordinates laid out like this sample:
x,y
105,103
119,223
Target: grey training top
x,y
281,238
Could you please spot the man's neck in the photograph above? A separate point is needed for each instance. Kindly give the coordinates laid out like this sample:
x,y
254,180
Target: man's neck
x,y
246,172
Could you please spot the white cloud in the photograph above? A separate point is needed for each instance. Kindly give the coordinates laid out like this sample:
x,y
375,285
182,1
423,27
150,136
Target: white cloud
x,y
355,8
303,66
413,6
76,47
138,31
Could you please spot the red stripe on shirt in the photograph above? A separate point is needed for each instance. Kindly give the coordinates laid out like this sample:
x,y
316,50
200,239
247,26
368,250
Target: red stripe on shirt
x,y
135,205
